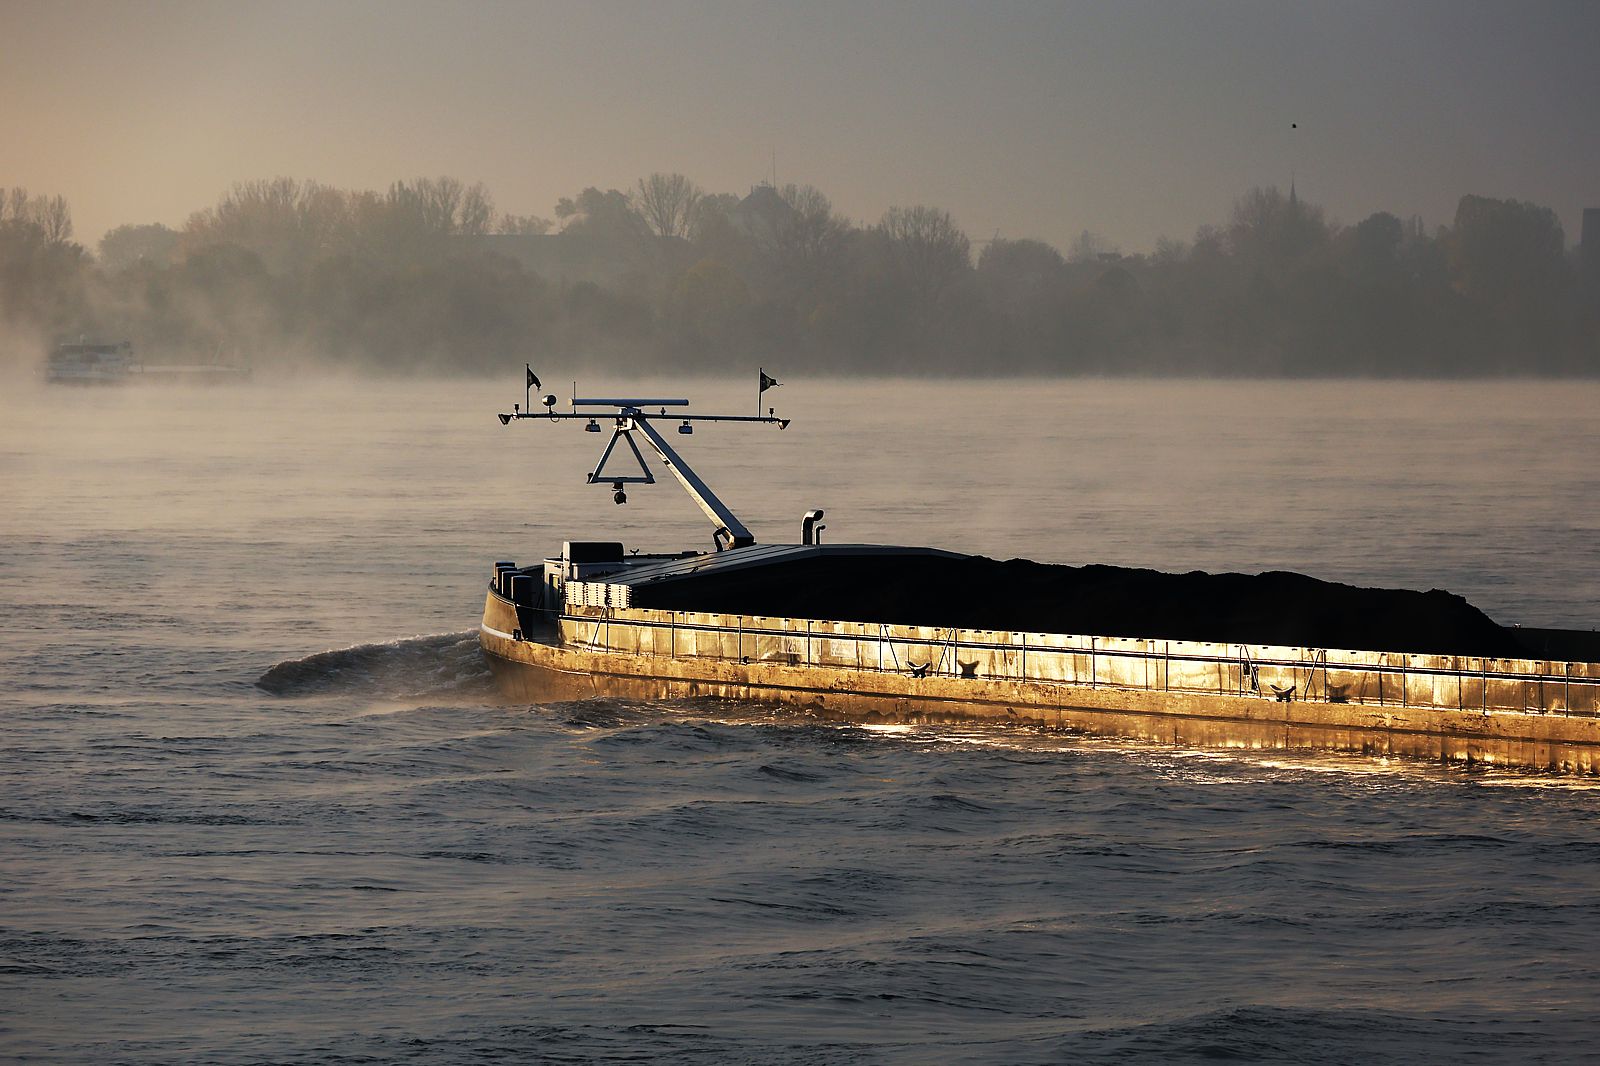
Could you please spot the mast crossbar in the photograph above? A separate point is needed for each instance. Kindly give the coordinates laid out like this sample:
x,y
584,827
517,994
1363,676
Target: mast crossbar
x,y
630,415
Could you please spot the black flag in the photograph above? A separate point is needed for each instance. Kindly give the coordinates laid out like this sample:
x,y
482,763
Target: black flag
x,y
533,379
766,382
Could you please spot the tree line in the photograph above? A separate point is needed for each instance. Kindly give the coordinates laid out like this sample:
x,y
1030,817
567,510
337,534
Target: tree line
x,y
429,277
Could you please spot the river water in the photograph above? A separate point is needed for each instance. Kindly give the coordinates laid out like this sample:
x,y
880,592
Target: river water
x,y
379,861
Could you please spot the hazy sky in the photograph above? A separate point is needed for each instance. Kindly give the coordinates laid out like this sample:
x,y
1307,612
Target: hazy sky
x,y
1131,119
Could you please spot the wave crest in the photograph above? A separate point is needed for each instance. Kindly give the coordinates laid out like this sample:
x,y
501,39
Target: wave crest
x,y
442,665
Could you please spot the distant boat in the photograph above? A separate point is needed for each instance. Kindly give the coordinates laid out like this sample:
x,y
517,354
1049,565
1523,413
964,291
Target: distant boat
x,y
115,364
91,364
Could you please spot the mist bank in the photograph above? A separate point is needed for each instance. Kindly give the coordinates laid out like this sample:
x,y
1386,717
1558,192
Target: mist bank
x,y
428,278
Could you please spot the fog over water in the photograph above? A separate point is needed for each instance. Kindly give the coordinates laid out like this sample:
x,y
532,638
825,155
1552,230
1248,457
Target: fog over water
x,y
377,859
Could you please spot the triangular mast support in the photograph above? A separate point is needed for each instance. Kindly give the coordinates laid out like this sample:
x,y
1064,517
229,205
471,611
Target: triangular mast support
x,y
644,477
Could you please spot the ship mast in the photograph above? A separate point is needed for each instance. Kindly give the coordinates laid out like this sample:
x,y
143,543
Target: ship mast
x,y
630,415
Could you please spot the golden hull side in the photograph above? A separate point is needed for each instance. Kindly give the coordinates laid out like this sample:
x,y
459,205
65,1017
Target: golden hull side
x,y
543,672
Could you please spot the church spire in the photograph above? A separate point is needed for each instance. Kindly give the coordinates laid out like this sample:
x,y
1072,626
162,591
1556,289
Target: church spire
x,y
1294,201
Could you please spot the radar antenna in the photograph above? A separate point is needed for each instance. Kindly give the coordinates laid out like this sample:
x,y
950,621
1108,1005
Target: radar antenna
x,y
630,415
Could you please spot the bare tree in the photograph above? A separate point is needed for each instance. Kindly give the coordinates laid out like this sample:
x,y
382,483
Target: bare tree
x,y
50,214
285,221
667,202
13,204
435,201
808,240
53,217
477,211
928,246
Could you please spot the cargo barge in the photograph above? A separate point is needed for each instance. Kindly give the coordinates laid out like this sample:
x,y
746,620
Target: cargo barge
x,y
919,635
114,364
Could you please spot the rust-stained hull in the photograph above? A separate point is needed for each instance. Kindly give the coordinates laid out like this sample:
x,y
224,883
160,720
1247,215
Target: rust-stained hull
x,y
542,670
